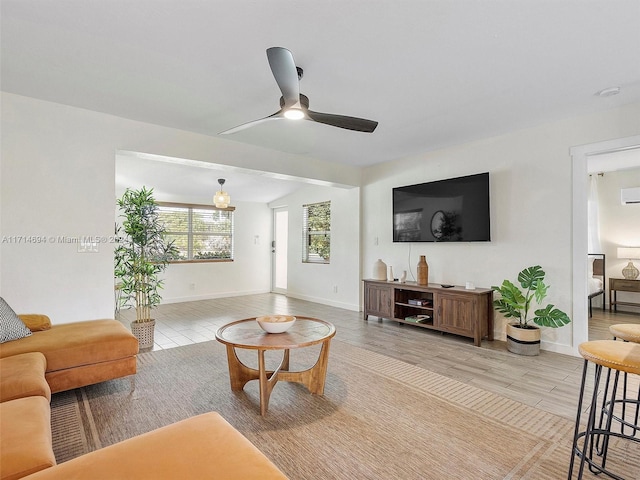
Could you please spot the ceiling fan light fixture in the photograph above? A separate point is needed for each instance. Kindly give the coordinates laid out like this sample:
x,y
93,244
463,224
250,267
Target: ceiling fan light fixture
x,y
293,104
294,114
221,199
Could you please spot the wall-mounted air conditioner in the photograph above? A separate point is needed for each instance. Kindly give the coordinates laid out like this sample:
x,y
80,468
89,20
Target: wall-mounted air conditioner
x,y
630,195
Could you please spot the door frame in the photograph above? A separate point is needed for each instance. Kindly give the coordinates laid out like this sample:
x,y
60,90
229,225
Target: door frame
x,y
580,158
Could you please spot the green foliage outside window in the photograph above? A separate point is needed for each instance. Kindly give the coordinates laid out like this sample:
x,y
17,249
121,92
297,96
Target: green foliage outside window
x,y
317,231
199,233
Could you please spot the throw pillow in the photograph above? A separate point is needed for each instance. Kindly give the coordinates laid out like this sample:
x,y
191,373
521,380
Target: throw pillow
x,y
36,322
11,327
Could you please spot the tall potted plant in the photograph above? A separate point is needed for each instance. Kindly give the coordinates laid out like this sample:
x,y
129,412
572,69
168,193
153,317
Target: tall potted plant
x,y
141,254
523,337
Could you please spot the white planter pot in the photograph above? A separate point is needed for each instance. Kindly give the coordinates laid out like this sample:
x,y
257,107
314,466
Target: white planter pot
x,y
523,341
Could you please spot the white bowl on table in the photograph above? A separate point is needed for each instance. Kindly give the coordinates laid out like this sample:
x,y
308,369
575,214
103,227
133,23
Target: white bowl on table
x,y
276,323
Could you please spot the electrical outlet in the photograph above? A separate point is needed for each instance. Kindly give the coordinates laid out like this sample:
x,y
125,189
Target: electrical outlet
x,y
335,289
192,286
87,246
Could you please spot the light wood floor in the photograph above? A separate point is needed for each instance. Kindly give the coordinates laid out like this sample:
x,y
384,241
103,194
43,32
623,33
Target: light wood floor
x,y
601,320
549,381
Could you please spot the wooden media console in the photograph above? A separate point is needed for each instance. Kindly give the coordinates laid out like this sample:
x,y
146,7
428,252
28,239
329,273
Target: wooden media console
x,y
456,310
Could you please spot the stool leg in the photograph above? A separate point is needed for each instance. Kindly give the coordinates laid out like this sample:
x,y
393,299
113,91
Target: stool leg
x,y
603,411
587,445
576,432
609,406
623,421
637,403
635,427
624,403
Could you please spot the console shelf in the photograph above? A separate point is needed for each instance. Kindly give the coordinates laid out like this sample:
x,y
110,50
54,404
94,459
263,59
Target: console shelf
x,y
468,313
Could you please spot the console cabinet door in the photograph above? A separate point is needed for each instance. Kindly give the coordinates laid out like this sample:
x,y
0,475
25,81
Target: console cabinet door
x,y
455,313
378,300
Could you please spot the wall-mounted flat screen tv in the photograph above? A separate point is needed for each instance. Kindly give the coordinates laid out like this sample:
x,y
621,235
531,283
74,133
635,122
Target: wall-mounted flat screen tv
x,y
452,210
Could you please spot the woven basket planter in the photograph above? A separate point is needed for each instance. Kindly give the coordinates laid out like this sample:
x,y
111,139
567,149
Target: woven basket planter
x,y
144,331
523,341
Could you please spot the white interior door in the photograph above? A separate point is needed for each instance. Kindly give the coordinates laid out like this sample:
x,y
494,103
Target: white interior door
x,y
279,250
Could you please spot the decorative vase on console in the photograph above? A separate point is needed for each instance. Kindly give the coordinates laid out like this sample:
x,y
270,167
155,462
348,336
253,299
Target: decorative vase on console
x,y
390,274
379,270
423,271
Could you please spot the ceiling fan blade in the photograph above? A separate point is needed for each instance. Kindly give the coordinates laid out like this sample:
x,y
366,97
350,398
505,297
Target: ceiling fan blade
x,y
284,70
341,121
276,116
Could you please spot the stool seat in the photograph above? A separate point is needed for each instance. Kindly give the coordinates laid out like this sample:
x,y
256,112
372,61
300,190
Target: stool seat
x,y
622,356
629,332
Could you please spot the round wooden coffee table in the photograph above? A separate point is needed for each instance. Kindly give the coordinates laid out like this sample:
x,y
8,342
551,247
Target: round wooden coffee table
x,y
247,334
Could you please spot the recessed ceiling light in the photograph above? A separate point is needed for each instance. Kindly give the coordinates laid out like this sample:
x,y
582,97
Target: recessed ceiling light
x,y
608,92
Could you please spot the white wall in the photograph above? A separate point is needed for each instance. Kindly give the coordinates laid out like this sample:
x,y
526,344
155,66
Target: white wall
x,y
58,179
531,214
336,283
619,226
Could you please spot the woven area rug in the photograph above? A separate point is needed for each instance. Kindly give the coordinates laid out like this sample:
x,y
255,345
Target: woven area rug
x,y
379,418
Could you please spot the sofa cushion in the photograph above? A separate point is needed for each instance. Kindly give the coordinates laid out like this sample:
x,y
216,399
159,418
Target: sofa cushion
x,y
11,327
25,437
204,446
72,345
23,376
35,322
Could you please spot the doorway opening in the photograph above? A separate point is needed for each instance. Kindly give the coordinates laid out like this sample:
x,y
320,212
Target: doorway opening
x,y
581,156
279,249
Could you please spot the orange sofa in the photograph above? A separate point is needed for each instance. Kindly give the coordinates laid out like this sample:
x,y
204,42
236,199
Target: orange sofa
x,y
25,416
78,354
205,446
52,359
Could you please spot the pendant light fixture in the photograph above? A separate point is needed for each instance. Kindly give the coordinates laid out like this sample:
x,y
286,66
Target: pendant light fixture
x,y
221,199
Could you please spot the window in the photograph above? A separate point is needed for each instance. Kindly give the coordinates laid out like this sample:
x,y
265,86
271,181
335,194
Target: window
x,y
200,233
316,233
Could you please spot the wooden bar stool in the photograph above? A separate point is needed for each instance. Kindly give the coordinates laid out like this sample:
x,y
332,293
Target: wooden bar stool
x,y
628,332
616,357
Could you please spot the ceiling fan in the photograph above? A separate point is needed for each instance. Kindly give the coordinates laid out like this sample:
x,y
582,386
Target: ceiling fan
x,y
293,104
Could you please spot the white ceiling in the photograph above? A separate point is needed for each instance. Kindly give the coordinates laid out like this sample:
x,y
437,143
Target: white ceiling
x,y
191,181
432,73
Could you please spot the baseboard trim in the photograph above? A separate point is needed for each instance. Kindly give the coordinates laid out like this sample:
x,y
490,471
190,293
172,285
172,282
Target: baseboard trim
x,y
325,301
210,296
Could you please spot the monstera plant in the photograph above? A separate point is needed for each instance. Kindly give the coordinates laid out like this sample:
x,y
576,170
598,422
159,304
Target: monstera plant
x,y
523,335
